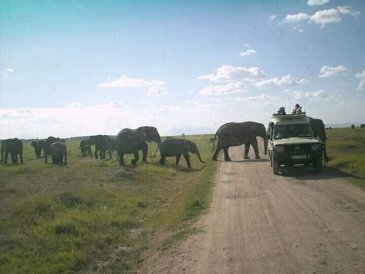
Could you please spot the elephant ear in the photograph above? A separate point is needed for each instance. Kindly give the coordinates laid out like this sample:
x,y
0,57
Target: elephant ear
x,y
189,146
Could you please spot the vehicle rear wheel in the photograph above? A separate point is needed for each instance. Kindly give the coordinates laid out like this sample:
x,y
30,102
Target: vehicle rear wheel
x,y
318,166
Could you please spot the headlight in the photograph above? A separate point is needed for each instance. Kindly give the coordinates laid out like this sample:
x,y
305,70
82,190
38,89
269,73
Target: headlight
x,y
279,148
316,147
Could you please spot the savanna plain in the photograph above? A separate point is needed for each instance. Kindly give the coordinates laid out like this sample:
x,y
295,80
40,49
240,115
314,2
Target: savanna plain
x,y
93,216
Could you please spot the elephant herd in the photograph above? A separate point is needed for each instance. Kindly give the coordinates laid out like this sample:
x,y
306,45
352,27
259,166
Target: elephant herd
x,y
132,141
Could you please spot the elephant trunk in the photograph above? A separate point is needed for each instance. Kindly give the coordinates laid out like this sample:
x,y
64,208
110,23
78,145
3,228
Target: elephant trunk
x,y
200,159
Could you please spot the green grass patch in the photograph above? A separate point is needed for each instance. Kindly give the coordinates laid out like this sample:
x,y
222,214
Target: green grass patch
x,y
94,216
346,152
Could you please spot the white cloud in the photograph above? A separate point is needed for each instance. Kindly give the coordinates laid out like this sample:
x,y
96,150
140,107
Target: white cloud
x,y
155,87
316,95
361,76
317,2
296,18
228,88
272,17
327,71
286,80
322,17
248,52
9,70
230,73
72,120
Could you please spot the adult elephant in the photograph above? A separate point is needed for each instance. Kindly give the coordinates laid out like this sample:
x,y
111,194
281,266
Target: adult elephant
x,y
102,144
131,141
47,146
59,153
177,147
85,147
38,145
235,134
14,147
319,131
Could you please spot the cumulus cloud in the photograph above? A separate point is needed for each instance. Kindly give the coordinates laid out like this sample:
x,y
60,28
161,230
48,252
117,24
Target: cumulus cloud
x,y
231,73
228,88
322,17
272,17
8,70
155,87
248,52
317,2
286,80
361,76
327,71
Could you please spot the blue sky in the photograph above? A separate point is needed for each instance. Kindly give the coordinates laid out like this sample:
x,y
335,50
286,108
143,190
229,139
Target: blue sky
x,y
71,68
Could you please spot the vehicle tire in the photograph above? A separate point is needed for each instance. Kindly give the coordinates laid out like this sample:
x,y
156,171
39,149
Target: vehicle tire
x,y
318,166
270,153
275,165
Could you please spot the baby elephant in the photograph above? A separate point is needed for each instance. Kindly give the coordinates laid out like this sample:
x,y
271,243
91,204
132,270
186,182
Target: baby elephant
x,y
59,153
177,147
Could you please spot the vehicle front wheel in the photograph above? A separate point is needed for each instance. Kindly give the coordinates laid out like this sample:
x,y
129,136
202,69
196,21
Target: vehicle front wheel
x,y
275,165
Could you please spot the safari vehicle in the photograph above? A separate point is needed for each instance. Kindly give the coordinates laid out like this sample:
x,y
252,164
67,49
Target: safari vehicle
x,y
291,142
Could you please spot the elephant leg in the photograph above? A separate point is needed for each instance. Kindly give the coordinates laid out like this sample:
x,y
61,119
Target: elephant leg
x,y
96,152
256,149
216,152
45,158
325,153
136,158
247,149
178,158
6,157
226,156
144,151
21,158
163,159
121,158
110,153
187,159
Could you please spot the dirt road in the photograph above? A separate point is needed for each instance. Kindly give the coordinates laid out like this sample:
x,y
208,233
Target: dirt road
x,y
260,223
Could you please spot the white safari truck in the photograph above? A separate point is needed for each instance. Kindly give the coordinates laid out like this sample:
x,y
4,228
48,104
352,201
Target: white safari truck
x,y
291,142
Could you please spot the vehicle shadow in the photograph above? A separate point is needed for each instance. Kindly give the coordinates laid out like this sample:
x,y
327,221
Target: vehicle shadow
x,y
308,173
245,160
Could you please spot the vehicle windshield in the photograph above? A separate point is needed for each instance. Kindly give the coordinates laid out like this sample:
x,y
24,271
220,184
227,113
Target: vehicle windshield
x,y
287,131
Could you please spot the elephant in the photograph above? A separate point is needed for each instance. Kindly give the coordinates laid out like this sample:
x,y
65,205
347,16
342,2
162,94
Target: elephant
x,y
47,146
131,141
319,130
85,147
14,147
59,153
235,134
38,144
177,147
102,144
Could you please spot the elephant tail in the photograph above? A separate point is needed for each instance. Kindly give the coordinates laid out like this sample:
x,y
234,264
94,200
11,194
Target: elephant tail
x,y
215,137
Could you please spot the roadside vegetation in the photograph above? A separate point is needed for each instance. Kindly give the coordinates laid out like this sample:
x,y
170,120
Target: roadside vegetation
x,y
94,216
346,150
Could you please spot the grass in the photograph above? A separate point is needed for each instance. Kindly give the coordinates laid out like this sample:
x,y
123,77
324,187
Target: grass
x,y
92,215
346,152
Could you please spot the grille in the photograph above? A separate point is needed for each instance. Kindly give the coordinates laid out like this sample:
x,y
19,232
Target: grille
x,y
297,148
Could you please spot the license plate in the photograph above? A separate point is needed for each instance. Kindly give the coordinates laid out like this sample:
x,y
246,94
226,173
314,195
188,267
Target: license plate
x,y
296,157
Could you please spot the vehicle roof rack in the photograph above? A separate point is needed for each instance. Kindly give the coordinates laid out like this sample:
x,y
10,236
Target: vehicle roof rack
x,y
289,116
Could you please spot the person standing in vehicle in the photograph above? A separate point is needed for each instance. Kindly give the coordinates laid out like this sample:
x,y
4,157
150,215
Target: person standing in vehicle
x,y
297,109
